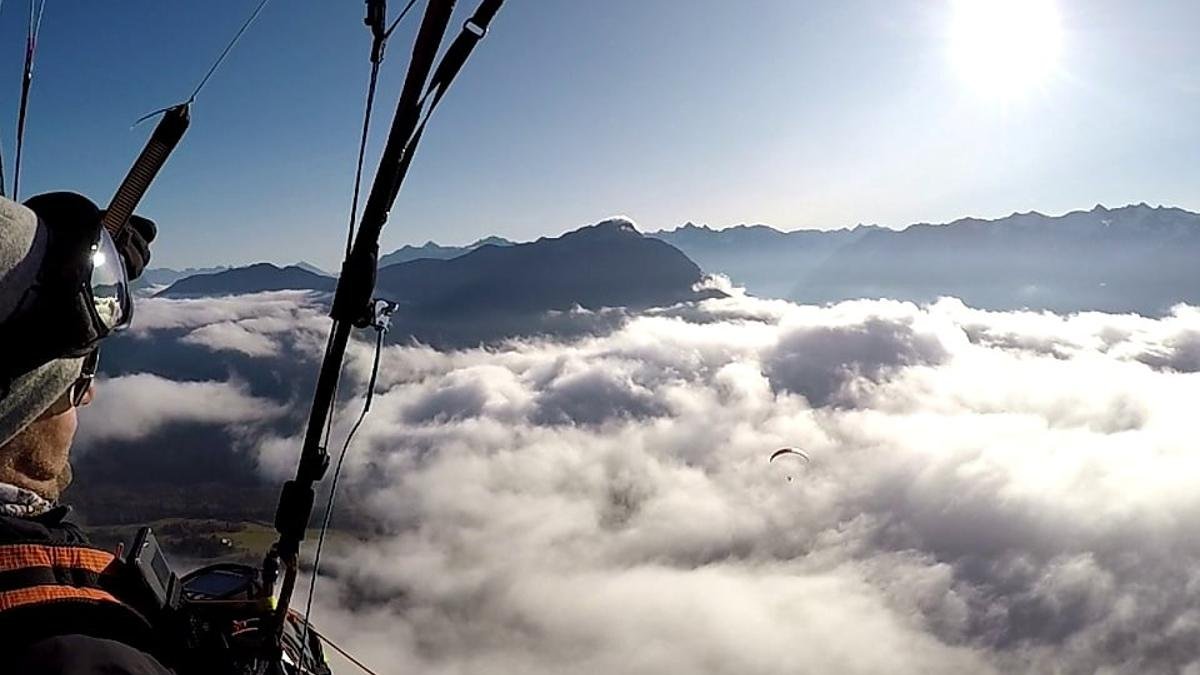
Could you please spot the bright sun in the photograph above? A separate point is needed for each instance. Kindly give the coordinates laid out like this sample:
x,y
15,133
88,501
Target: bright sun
x,y
1005,48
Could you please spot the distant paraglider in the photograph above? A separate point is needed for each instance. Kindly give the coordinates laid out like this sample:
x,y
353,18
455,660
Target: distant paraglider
x,y
782,452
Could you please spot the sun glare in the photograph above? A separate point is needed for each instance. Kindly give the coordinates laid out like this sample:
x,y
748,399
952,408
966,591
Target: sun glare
x,y
1005,48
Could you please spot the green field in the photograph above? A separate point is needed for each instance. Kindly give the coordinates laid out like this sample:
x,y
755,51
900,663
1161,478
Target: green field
x,y
191,542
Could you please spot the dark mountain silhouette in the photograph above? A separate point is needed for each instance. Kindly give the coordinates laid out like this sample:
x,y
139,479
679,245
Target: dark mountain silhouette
x,y
309,267
251,279
1135,258
495,292
437,252
609,264
163,276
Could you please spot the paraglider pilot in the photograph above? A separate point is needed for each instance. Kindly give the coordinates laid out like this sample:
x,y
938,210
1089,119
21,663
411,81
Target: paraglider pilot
x,y
64,286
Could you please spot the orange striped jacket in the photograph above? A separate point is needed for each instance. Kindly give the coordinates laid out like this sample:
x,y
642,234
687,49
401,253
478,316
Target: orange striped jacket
x,y
47,588
43,572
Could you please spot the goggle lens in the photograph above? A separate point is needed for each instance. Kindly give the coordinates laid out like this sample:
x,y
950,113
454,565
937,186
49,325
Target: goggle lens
x,y
110,284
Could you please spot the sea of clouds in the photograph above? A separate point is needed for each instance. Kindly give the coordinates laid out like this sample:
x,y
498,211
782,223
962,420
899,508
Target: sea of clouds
x,y
987,491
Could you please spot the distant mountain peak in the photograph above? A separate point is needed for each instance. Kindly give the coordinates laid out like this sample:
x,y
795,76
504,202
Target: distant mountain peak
x,y
689,226
262,276
309,267
492,240
432,249
607,264
618,223
617,226
757,227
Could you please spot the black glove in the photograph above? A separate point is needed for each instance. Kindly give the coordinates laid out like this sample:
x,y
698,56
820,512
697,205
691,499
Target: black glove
x,y
133,241
134,244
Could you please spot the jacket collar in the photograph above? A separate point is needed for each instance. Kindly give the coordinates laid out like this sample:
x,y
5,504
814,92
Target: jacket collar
x,y
22,503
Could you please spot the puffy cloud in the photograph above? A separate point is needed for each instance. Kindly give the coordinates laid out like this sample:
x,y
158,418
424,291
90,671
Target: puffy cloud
x,y
135,406
230,336
255,325
155,314
988,491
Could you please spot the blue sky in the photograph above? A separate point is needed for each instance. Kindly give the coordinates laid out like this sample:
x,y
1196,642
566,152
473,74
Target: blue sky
x,y
795,114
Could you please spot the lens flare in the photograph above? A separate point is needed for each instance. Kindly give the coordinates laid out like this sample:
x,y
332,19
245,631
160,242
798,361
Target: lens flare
x,y
1005,48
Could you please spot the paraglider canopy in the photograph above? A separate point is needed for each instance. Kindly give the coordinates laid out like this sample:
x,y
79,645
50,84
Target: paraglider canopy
x,y
782,452
789,451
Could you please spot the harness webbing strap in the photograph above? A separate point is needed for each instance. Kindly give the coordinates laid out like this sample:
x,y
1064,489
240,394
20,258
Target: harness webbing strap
x,y
41,594
38,573
20,556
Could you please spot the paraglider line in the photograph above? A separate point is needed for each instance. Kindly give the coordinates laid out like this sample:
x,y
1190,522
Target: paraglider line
x,y
343,652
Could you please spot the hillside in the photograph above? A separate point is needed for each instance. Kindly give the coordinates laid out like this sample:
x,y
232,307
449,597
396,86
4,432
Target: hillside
x,y
609,264
251,279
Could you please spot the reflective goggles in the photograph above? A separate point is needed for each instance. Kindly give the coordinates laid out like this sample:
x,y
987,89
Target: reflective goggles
x,y
108,287
81,294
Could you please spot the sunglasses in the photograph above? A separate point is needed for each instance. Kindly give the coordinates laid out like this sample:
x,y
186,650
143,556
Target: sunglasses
x,y
79,388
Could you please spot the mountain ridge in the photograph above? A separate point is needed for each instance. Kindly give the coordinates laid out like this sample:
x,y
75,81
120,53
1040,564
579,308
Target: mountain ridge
x,y
431,249
1134,258
609,263
253,278
1098,208
494,292
1130,258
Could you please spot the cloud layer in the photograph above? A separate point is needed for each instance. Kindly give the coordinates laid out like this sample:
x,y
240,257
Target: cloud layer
x,y
135,406
988,491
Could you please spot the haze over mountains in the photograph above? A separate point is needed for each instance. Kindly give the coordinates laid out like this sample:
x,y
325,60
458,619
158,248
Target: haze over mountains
x,y
162,276
432,250
766,261
1135,258
1131,259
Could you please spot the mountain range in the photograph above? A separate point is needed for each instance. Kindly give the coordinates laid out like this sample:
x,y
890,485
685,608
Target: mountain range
x,y
1132,259
434,251
765,261
163,276
250,279
495,291
609,264
1135,258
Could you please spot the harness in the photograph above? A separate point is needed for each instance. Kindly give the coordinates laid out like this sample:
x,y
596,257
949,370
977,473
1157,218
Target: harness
x,y
49,588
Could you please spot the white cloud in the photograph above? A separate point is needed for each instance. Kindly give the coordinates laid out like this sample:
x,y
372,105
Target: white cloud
x,y
163,313
134,406
255,325
237,337
988,491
